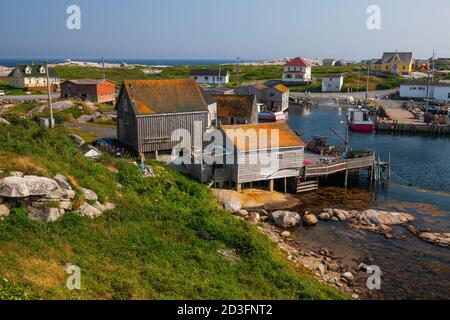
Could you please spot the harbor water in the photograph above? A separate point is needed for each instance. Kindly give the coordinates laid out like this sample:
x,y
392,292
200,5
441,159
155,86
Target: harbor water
x,y
420,185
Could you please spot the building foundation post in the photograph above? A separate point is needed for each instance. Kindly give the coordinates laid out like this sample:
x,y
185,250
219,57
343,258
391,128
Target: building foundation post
x,y
271,185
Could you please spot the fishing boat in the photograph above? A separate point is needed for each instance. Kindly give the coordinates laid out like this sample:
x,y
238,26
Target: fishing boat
x,y
272,116
358,120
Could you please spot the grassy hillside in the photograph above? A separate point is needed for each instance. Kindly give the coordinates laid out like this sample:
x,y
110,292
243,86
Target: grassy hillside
x,y
146,248
247,74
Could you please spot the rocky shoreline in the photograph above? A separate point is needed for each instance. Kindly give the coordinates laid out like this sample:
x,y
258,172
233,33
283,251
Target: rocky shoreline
x,y
324,264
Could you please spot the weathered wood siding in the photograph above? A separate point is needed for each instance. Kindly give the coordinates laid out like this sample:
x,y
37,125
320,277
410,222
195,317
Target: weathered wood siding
x,y
126,122
155,131
249,168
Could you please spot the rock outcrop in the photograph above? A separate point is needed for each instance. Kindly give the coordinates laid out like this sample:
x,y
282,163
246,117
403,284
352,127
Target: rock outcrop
x,y
439,239
286,219
310,220
46,199
21,187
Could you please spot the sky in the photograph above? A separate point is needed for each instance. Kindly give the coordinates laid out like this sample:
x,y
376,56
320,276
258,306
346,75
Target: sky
x,y
223,29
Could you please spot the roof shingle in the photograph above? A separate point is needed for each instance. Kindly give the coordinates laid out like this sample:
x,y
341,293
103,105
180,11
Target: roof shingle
x,y
231,105
284,137
165,96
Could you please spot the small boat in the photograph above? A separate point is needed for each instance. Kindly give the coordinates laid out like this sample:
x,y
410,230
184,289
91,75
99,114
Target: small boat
x,y
272,116
358,120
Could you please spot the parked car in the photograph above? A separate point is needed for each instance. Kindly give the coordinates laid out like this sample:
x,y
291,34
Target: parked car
x,y
2,93
112,146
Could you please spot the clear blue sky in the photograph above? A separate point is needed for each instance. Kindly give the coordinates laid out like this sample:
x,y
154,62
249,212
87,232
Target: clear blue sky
x,y
251,29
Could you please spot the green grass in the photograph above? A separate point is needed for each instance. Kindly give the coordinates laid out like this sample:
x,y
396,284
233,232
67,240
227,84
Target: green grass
x,y
11,91
144,249
247,74
119,74
22,108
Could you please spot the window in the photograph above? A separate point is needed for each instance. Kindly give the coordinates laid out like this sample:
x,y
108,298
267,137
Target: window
x,y
272,94
288,76
448,96
280,156
206,78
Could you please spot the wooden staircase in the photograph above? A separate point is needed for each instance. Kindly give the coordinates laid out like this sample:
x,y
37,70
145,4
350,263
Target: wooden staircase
x,y
307,186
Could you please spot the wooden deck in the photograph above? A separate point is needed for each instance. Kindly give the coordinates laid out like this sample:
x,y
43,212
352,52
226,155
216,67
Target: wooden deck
x,y
341,165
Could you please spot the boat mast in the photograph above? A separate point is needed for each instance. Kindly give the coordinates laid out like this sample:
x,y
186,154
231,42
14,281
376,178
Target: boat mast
x,y
429,81
367,84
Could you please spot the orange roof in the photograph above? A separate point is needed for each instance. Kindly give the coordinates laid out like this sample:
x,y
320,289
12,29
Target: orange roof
x,y
165,96
259,86
252,137
231,105
281,88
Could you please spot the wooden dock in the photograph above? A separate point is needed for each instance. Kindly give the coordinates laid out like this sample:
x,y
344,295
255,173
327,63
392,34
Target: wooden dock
x,y
394,126
404,121
308,181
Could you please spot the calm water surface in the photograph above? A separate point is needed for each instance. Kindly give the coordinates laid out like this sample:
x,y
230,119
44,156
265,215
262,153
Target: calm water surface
x,y
412,269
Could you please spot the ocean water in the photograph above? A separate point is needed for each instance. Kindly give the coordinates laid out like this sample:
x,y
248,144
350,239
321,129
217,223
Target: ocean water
x,y
11,62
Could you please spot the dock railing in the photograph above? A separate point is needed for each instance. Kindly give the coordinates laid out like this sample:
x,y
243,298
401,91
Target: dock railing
x,y
318,170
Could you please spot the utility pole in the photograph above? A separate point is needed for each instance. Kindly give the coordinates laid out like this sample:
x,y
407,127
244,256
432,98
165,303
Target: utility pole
x,y
104,71
219,74
50,104
238,72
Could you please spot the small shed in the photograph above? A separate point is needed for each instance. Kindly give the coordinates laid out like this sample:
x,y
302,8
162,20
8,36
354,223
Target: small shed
x,y
332,83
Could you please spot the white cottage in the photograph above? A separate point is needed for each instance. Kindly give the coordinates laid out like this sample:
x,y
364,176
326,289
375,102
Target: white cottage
x,y
332,84
210,77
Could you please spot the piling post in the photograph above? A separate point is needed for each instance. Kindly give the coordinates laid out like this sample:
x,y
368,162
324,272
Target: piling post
x,y
389,167
271,185
346,179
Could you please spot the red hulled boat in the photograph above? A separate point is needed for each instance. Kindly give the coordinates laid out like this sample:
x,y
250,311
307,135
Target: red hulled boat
x,y
358,120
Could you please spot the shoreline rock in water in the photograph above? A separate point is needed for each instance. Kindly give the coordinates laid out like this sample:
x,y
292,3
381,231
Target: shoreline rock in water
x,y
439,239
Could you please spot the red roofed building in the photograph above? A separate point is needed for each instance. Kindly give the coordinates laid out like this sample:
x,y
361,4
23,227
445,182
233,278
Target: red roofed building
x,y
100,91
297,71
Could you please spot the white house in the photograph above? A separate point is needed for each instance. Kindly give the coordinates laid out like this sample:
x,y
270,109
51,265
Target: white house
x,y
210,77
297,71
332,84
33,77
442,92
417,89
